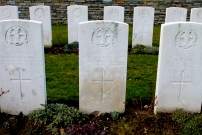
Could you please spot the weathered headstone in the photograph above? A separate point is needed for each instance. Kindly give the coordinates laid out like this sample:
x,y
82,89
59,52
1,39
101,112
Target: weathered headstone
x,y
22,67
143,23
76,14
114,13
8,12
103,51
176,14
179,72
196,15
43,14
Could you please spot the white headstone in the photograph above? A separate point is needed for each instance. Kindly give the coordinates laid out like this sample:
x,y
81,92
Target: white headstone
x,y
8,12
143,23
176,14
22,67
114,13
76,14
179,72
103,48
43,14
196,15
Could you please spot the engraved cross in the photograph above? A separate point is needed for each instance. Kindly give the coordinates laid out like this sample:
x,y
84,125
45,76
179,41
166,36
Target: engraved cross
x,y
103,36
181,83
20,80
186,38
16,35
102,83
142,34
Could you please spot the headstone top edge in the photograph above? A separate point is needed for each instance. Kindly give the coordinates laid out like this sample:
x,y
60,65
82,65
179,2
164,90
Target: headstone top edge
x,y
76,6
179,23
197,8
143,7
102,21
8,6
113,7
21,20
40,6
181,8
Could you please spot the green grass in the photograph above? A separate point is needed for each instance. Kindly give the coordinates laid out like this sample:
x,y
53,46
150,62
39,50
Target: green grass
x,y
62,73
62,76
60,35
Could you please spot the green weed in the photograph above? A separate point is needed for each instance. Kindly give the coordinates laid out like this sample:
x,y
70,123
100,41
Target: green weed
x,y
115,115
191,124
55,116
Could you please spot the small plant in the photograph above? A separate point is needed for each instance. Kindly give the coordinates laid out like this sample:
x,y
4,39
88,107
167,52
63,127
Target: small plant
x,y
115,115
71,48
55,116
10,122
3,92
141,49
191,124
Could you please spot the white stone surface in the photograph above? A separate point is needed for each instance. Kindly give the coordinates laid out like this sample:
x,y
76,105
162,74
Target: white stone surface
x,y
22,67
143,23
179,68
75,15
43,14
8,12
176,14
103,48
196,15
114,13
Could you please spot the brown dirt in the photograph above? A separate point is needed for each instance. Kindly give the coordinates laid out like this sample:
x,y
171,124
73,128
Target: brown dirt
x,y
133,121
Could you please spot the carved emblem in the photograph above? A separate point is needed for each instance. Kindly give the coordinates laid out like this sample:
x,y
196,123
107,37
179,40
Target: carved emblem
x,y
186,39
113,12
144,13
199,14
176,14
16,36
103,37
39,12
77,12
6,13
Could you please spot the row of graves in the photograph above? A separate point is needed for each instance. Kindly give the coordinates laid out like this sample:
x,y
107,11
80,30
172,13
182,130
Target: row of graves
x,y
143,20
103,50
